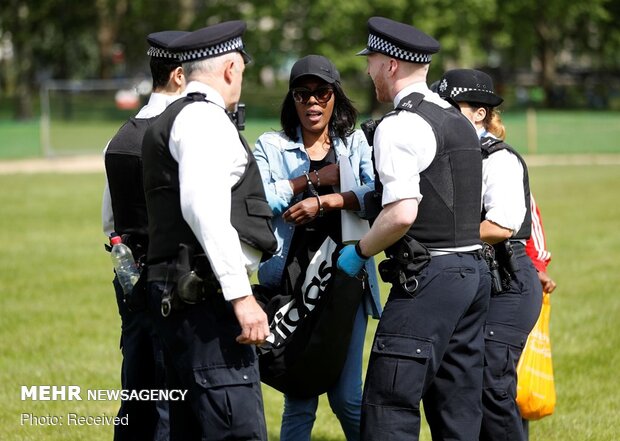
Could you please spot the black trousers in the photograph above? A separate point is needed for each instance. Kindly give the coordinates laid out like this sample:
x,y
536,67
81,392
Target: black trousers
x,y
512,315
429,346
224,398
142,369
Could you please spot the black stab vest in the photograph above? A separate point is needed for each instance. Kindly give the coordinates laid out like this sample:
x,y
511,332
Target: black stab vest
x,y
449,213
491,145
250,212
123,164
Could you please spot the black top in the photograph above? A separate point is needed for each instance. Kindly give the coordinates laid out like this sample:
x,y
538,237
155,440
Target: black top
x,y
329,223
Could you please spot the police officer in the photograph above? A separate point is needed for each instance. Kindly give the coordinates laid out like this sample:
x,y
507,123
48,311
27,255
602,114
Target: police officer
x,y
506,224
429,343
124,211
209,223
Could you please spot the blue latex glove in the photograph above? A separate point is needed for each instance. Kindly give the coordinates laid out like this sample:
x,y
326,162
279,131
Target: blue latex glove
x,y
277,205
349,261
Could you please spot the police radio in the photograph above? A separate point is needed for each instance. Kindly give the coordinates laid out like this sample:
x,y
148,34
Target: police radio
x,y
238,116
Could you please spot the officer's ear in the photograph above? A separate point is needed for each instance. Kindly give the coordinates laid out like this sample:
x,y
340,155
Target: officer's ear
x,y
229,71
480,114
177,76
392,66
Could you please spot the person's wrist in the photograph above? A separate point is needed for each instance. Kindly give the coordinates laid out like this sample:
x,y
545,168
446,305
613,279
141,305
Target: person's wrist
x,y
358,250
321,210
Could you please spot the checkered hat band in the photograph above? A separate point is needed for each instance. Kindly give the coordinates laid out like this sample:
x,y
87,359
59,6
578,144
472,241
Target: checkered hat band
x,y
212,51
378,44
459,90
160,53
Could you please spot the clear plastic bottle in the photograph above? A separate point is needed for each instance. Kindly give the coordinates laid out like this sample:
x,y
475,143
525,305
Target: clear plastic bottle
x,y
126,269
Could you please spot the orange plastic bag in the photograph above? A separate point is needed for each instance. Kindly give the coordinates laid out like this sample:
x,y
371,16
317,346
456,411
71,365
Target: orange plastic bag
x,y
535,384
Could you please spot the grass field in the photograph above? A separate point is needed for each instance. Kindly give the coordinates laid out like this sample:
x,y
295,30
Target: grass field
x,y
556,132
59,324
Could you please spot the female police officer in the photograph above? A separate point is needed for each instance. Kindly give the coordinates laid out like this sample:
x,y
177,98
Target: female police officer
x,y
506,224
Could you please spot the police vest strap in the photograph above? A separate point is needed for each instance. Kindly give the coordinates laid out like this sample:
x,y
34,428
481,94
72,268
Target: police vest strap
x,y
410,102
491,145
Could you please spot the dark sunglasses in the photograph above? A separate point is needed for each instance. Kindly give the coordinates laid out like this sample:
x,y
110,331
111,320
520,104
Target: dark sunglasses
x,y
321,94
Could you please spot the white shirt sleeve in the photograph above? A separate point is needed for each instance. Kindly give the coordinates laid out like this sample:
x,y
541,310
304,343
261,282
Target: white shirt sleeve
x,y
503,197
211,160
405,145
107,215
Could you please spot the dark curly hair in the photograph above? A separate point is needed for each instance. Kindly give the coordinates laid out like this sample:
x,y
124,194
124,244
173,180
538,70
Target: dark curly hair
x,y
341,124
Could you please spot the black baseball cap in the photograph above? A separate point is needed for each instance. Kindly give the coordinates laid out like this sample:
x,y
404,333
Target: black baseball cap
x,y
315,65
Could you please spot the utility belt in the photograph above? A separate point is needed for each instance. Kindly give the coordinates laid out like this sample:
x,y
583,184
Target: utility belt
x,y
188,280
503,264
406,260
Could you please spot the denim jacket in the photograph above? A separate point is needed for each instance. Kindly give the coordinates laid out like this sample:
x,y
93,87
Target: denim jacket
x,y
280,159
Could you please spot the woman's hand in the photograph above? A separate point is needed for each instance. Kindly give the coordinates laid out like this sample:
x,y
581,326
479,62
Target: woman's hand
x,y
303,211
329,175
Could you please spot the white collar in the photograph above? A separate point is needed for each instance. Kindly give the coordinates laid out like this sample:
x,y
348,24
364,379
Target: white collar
x,y
212,94
420,87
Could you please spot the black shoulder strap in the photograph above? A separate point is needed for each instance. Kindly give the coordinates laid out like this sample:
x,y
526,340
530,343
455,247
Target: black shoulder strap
x,y
410,102
490,145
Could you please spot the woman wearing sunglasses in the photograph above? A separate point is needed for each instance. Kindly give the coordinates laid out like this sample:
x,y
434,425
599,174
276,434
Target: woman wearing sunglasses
x,y
300,173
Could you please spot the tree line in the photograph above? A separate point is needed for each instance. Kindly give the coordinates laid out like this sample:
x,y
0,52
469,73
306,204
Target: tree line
x,y
545,44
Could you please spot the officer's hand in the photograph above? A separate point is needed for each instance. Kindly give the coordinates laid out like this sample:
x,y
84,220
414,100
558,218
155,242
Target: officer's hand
x,y
349,261
329,175
548,285
253,321
303,211
276,204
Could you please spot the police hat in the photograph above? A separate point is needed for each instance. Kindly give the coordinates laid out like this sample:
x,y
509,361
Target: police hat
x,y
159,42
470,86
211,41
400,41
315,65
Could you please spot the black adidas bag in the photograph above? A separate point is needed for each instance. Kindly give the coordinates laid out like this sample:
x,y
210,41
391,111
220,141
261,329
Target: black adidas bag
x,y
311,328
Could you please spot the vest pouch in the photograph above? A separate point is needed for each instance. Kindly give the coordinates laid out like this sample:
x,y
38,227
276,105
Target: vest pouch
x,y
253,224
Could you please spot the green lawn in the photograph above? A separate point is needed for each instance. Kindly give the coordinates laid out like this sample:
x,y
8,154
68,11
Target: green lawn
x,y
556,132
59,324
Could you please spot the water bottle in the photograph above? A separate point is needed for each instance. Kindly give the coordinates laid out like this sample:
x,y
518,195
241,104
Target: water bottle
x,y
126,269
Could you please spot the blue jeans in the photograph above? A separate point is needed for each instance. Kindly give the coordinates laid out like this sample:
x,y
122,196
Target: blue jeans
x,y
345,397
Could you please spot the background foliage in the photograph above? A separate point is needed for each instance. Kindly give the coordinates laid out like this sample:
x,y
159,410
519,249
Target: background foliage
x,y
568,50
